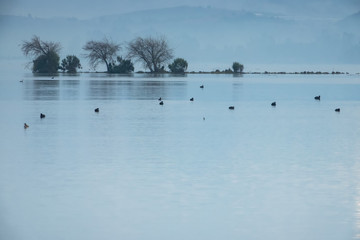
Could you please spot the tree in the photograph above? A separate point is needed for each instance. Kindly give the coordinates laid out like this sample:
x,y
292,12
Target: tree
x,y
46,63
178,66
123,66
237,67
152,52
70,64
46,54
101,52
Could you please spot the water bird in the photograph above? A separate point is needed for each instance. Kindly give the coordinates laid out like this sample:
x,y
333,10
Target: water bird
x,y
202,86
42,115
337,110
26,126
161,103
317,97
21,80
97,110
273,104
204,118
52,77
231,107
159,99
192,99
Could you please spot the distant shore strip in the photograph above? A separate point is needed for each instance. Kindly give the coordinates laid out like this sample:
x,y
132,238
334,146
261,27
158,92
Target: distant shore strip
x,y
236,73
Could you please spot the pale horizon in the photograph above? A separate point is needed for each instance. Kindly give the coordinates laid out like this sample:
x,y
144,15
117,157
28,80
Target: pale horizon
x,y
90,9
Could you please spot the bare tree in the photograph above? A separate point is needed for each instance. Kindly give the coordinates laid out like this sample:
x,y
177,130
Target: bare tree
x,y
101,52
152,52
35,47
46,54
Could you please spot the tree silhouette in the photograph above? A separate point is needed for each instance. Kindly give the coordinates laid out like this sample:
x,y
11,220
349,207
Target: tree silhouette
x,y
152,52
237,67
178,66
101,52
70,64
46,54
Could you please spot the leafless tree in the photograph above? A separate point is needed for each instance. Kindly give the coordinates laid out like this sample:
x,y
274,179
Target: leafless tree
x,y
35,47
45,54
152,52
101,52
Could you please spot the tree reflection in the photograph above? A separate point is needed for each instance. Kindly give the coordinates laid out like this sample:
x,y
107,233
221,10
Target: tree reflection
x,y
106,89
70,89
52,89
136,89
42,90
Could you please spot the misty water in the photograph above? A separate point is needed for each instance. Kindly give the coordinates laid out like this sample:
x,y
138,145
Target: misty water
x,y
184,170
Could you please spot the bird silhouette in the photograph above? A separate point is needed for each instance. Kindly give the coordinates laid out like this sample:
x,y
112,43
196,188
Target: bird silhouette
x,y
97,110
317,98
273,104
42,115
337,110
192,99
26,126
202,86
161,103
231,107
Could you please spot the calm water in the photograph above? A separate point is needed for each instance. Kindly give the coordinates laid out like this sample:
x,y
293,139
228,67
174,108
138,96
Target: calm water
x,y
137,170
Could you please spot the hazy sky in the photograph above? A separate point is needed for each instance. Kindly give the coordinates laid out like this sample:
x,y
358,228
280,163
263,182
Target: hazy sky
x,y
89,8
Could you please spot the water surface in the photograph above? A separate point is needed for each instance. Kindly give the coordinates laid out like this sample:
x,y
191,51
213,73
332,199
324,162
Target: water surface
x,y
138,170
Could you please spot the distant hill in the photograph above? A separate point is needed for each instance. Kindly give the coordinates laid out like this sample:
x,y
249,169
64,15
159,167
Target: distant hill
x,y
351,23
200,35
352,18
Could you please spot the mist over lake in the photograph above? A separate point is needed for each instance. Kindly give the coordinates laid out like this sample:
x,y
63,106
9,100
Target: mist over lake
x,y
204,36
256,136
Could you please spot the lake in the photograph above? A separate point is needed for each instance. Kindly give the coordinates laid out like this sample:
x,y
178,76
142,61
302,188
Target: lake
x,y
184,170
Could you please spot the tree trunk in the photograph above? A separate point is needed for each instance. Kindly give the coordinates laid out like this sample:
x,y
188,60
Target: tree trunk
x,y
156,69
107,66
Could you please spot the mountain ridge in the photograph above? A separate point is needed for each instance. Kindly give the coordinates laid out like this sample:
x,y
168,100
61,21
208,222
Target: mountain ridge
x,y
198,33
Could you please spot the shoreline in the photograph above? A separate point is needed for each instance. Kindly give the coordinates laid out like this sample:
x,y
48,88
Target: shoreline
x,y
266,73
227,73
217,72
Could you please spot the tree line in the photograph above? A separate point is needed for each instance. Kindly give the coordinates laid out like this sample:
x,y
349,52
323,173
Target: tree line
x,y
153,52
